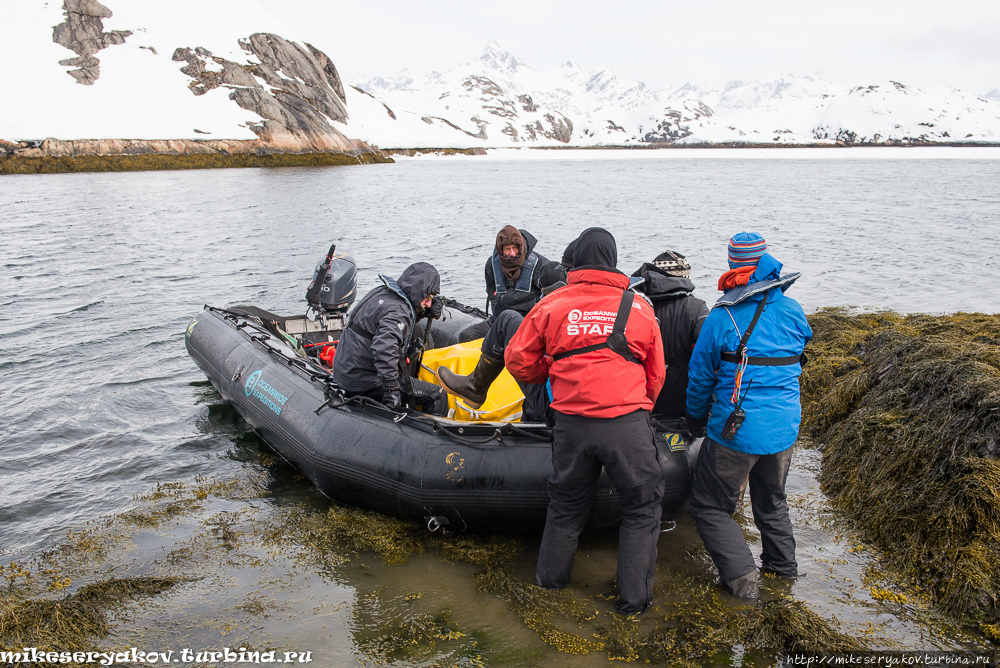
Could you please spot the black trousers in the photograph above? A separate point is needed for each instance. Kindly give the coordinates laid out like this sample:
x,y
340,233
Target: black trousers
x,y
476,331
429,397
718,480
625,447
536,397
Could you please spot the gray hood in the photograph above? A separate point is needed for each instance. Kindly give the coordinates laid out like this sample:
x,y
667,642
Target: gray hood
x,y
418,282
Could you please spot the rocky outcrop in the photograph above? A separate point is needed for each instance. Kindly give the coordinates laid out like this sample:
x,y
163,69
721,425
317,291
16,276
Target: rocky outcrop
x,y
57,148
296,90
674,124
83,33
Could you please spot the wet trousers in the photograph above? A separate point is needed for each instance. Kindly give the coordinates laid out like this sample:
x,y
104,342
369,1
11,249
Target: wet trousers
x,y
626,449
718,481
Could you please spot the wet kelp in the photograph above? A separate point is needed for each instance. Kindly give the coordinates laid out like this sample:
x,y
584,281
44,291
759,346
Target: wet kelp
x,y
160,162
73,622
907,409
691,623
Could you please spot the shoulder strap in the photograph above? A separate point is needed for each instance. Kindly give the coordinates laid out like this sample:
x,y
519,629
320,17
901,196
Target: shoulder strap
x,y
616,341
742,348
740,354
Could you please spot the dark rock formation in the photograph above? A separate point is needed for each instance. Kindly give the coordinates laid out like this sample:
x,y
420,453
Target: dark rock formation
x,y
675,123
83,33
305,90
527,103
483,85
561,128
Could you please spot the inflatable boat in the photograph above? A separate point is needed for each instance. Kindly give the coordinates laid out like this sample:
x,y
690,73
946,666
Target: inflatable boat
x,y
446,473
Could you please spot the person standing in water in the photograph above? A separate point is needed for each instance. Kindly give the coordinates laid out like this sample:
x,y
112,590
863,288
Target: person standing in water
x,y
743,387
600,346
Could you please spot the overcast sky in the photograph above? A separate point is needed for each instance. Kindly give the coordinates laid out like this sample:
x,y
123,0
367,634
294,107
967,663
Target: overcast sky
x,y
667,43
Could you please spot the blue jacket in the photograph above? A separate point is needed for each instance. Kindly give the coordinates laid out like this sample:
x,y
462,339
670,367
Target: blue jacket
x,y
772,405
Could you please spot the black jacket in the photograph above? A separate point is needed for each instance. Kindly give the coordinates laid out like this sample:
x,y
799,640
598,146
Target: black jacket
x,y
368,351
517,301
681,315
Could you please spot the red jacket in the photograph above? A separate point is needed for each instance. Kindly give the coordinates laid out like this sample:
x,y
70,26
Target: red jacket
x,y
601,383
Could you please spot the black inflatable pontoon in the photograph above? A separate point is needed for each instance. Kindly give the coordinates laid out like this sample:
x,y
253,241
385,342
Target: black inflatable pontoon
x,y
444,473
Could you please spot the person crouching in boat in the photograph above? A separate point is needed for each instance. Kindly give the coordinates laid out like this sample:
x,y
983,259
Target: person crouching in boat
x,y
600,346
667,283
371,354
512,279
753,419
474,387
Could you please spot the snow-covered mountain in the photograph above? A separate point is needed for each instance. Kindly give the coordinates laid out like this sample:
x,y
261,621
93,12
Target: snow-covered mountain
x,y
498,100
126,70
134,76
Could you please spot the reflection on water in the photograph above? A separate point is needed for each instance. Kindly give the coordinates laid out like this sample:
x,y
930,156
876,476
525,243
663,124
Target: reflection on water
x,y
101,403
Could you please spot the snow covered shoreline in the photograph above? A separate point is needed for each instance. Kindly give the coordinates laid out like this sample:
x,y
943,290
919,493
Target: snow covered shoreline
x,y
765,152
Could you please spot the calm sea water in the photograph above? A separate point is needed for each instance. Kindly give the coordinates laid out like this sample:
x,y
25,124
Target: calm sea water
x,y
100,402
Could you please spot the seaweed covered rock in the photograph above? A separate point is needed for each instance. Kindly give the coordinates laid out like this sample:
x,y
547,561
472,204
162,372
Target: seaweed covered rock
x,y
908,411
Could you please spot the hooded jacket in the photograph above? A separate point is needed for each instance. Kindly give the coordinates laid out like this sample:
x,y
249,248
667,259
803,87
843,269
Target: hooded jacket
x,y
600,383
368,351
681,315
514,298
772,406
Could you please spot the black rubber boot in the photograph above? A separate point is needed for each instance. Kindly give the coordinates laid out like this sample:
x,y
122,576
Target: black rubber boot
x,y
474,387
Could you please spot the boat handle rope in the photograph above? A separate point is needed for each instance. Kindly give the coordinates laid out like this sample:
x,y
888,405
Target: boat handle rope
x,y
332,392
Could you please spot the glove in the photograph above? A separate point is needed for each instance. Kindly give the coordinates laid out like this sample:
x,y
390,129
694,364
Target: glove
x,y
436,307
697,426
393,400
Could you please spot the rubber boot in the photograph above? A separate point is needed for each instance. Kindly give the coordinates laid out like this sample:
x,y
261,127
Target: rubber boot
x,y
746,586
474,387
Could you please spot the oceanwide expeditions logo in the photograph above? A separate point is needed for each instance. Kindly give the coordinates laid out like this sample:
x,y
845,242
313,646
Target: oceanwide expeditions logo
x,y
265,392
590,322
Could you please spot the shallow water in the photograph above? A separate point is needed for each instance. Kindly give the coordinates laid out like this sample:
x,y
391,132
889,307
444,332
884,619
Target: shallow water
x,y
100,401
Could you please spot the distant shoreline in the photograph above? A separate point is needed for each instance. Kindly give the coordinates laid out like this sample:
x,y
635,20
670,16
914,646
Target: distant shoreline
x,y
410,152
11,163
14,164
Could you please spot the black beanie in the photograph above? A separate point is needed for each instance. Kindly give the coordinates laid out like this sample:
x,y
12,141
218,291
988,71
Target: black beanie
x,y
595,247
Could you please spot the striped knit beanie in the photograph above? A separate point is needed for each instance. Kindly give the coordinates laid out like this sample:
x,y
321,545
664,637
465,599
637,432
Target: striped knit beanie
x,y
745,249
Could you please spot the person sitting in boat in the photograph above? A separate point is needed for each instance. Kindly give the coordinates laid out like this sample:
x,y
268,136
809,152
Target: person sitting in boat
x,y
371,354
753,422
474,387
512,278
667,283
600,345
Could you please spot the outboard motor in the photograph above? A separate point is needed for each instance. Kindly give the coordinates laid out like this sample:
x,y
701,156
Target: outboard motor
x,y
333,289
334,285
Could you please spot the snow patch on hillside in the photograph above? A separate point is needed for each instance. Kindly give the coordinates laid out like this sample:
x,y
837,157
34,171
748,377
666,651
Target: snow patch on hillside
x,y
141,93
